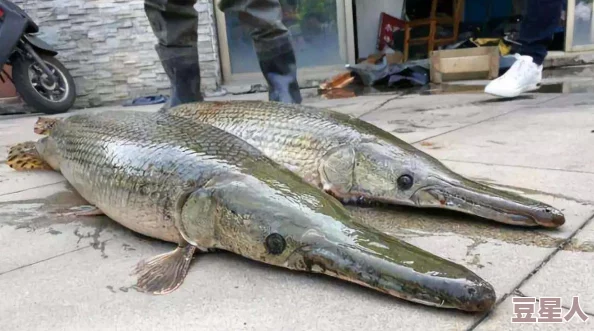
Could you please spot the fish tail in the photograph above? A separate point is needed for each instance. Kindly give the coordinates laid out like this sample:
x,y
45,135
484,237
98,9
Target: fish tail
x,y
24,156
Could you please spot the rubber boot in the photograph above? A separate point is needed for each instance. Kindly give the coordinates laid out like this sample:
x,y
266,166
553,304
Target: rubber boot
x,y
183,69
280,72
272,42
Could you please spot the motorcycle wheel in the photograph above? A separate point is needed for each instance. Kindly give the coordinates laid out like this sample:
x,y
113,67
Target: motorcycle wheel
x,y
31,83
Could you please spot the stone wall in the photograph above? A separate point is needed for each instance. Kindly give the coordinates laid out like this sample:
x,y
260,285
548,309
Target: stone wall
x,y
108,46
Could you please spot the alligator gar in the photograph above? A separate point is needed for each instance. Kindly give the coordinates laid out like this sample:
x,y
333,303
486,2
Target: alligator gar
x,y
204,189
356,161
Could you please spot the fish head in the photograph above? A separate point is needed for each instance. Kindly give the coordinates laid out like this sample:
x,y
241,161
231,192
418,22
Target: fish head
x,y
398,173
308,230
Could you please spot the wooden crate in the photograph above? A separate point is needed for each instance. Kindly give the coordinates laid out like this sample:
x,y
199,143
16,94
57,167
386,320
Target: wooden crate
x,y
465,64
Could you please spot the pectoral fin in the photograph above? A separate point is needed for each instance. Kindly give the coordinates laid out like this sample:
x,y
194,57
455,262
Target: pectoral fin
x,y
86,210
164,273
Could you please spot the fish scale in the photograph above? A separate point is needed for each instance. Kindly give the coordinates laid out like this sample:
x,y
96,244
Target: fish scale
x,y
358,162
115,164
296,140
203,188
147,162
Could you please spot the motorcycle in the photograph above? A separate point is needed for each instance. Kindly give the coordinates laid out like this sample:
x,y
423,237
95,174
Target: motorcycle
x,y
40,79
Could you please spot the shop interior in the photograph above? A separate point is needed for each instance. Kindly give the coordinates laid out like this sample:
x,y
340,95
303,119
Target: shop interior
x,y
456,24
362,34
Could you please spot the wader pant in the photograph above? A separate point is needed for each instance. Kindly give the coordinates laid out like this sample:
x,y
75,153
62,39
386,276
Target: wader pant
x,y
175,24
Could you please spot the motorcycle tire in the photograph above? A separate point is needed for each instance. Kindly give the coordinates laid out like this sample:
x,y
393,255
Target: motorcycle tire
x,y
23,85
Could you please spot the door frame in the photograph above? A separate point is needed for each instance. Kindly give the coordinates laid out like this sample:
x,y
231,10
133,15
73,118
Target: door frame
x,y
346,37
569,30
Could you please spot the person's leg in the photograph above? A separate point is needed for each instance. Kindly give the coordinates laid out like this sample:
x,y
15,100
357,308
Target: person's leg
x,y
175,24
272,42
538,27
541,18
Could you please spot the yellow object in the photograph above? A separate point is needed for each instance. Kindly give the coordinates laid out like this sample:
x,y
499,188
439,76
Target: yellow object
x,y
504,48
24,156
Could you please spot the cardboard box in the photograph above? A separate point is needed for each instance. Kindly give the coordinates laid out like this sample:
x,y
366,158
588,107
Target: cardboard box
x,y
464,64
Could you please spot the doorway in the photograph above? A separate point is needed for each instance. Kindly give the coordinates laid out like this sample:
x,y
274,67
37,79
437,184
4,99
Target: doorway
x,y
322,33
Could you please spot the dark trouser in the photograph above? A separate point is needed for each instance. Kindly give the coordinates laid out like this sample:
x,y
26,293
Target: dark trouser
x,y
175,24
272,41
541,18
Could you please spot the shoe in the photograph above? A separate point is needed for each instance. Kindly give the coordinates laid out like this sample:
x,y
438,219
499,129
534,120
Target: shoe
x,y
523,76
183,69
280,72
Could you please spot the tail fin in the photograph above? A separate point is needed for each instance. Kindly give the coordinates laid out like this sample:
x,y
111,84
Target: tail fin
x,y
44,125
24,156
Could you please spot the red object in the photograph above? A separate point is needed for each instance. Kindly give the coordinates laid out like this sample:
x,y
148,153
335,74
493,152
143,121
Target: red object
x,y
7,89
1,13
388,25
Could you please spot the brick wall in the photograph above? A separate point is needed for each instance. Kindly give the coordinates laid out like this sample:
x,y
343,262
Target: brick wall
x,y
108,46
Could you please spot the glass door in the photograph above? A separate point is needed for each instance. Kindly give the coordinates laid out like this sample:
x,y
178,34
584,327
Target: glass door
x,y
321,31
580,26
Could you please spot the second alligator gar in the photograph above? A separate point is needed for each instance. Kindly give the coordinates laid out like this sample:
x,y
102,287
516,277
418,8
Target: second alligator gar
x,y
357,161
203,188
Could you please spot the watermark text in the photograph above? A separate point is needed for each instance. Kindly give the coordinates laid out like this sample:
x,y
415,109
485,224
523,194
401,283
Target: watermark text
x,y
546,310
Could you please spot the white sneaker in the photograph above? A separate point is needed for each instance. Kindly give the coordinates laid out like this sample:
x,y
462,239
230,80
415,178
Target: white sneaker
x,y
523,76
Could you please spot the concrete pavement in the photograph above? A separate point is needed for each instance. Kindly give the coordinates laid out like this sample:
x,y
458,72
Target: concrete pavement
x,y
73,273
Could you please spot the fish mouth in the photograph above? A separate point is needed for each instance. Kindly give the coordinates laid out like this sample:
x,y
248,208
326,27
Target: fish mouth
x,y
399,269
487,202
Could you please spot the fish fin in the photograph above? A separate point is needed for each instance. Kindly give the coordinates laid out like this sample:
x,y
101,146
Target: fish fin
x,y
164,273
86,210
24,156
44,125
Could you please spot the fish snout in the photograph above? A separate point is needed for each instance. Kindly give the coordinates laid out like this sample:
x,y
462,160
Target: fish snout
x,y
386,264
480,297
489,203
549,217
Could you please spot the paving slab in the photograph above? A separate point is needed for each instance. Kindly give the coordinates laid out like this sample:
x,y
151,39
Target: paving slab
x,y
74,273
12,181
574,198
502,254
357,107
501,319
82,280
569,273
32,229
415,118
573,100
543,137
84,290
14,130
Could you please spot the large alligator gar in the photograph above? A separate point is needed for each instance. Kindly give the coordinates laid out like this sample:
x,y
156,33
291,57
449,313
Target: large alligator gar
x,y
358,162
205,189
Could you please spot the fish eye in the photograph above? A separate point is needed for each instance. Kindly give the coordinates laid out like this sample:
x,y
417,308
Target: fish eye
x,y
405,182
275,244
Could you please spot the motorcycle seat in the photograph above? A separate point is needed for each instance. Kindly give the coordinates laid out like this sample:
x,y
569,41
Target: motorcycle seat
x,y
14,12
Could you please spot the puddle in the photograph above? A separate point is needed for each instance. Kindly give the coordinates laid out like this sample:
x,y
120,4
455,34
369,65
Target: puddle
x,y
408,222
403,222
559,81
43,213
566,87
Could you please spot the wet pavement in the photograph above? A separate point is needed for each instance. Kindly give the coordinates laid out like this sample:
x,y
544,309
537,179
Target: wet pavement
x,y
67,273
